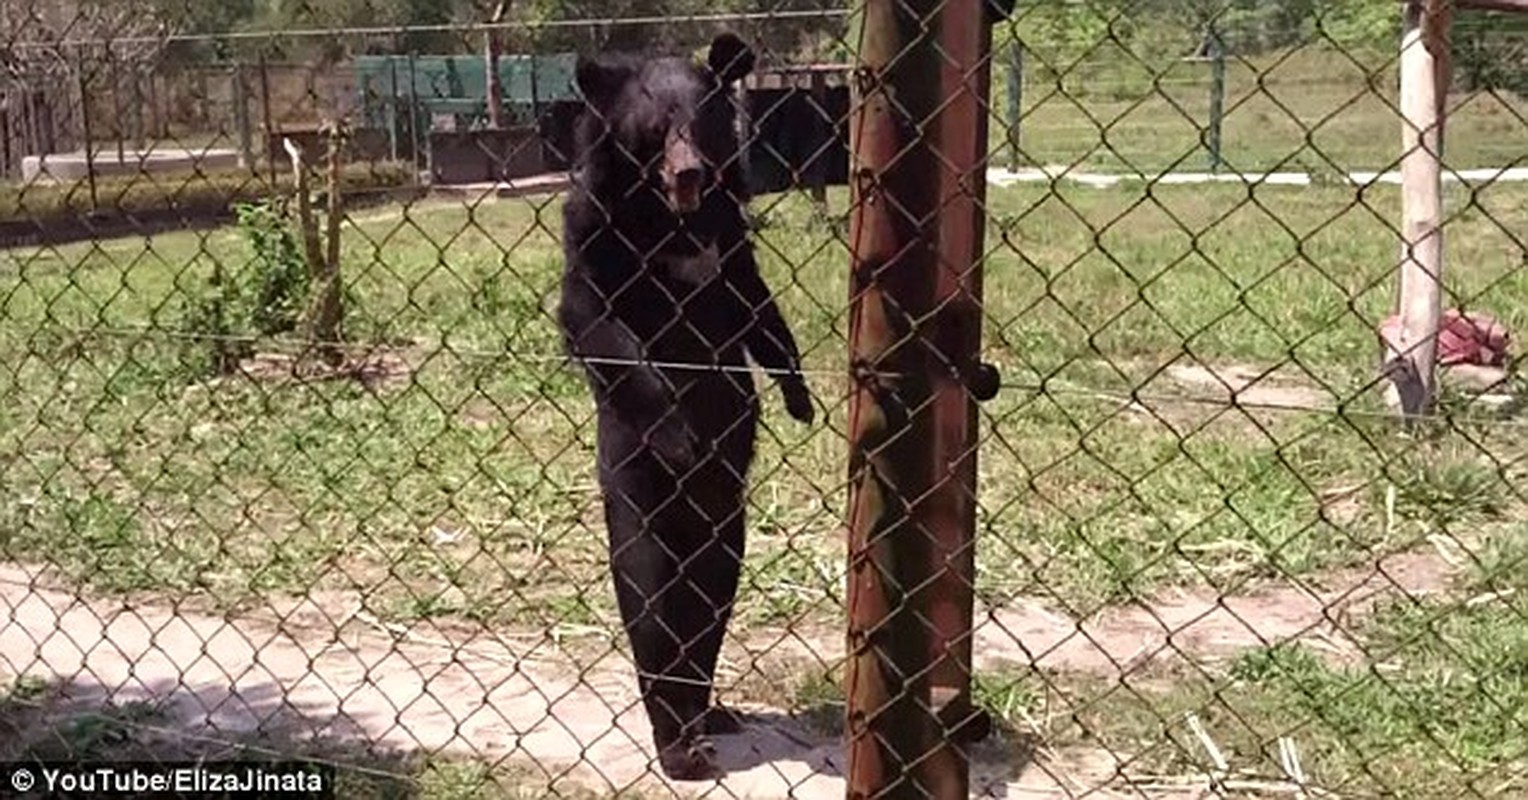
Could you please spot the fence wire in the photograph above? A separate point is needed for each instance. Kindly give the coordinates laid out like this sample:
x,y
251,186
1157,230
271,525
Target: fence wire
x,y
367,405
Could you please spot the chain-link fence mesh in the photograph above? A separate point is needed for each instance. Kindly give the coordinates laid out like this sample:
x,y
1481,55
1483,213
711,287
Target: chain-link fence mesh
x,y
296,464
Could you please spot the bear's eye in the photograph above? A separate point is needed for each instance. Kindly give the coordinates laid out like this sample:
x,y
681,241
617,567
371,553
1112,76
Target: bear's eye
x,y
643,138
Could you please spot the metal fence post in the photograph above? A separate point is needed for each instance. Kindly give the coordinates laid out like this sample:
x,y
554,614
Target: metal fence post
x,y
414,137
241,114
117,131
916,239
5,135
1217,97
1013,118
265,114
392,107
87,131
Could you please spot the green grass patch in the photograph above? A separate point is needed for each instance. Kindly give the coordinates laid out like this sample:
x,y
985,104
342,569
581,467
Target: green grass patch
x,y
1437,709
462,485
1310,109
1431,707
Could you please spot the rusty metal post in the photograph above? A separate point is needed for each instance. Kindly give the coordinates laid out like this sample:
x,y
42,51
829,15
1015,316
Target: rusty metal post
x,y
917,238
966,77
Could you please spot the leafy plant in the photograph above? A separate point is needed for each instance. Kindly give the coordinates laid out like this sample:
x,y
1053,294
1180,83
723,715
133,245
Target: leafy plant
x,y
276,279
261,297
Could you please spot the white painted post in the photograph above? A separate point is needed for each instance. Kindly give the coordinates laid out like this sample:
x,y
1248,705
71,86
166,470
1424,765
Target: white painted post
x,y
1411,352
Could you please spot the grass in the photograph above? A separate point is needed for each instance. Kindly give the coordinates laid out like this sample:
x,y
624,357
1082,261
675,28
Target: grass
x,y
464,487
1434,709
1431,705
1315,108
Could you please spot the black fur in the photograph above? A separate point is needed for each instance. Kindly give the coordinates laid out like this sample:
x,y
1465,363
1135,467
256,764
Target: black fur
x,y
674,444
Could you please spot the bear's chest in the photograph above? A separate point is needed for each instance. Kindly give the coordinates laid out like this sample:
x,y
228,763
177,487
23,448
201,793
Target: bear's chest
x,y
692,269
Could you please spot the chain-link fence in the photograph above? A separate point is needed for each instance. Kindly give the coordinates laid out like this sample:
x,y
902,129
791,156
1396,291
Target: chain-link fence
x,y
345,417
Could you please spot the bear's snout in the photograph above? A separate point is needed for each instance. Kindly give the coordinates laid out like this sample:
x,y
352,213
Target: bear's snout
x,y
684,174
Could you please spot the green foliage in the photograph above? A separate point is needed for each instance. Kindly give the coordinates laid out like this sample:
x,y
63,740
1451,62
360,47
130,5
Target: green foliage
x,y
1156,29
262,296
805,37
1489,53
1358,24
276,280
212,347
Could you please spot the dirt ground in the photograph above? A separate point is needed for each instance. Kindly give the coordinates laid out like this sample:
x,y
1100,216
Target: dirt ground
x,y
321,665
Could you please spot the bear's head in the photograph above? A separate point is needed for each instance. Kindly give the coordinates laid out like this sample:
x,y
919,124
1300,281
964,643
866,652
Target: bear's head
x,y
664,124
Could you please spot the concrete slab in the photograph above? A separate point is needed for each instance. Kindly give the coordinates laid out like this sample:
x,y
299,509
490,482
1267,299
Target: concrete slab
x,y
69,167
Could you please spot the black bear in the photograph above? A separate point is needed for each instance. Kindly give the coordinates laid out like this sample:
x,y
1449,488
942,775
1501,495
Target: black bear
x,y
662,303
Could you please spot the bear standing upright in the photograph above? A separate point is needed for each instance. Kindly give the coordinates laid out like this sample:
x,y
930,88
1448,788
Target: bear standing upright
x,y
662,302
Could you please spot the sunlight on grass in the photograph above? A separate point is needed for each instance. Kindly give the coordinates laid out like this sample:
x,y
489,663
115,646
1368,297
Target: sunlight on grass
x,y
464,488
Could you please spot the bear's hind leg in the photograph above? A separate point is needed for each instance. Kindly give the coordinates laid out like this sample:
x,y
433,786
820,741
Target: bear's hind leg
x,y
711,579
646,573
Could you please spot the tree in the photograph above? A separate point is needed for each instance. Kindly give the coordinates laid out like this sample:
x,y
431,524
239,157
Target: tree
x,y
67,38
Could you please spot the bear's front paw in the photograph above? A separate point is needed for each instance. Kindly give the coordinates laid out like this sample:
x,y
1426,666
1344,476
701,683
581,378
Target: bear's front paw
x,y
675,442
798,401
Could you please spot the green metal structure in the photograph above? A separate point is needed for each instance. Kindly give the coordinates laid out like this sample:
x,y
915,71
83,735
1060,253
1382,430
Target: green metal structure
x,y
401,94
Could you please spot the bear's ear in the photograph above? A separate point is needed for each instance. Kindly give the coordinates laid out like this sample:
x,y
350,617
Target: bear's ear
x,y
599,81
730,58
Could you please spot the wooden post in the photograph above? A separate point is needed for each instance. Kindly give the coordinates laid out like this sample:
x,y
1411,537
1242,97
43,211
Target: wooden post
x,y
1411,352
493,86
160,87
90,167
312,246
889,725
918,180
327,313
202,116
949,511
324,314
